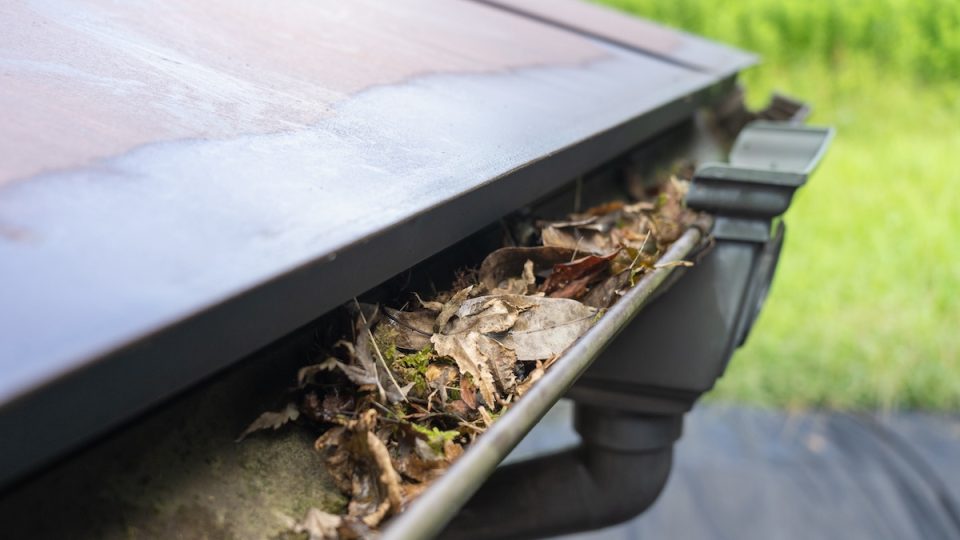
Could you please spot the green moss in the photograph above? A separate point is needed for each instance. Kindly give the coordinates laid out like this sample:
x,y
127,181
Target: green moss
x,y
413,368
435,437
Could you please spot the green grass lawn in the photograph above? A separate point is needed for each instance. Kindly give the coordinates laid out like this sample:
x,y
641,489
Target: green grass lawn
x,y
865,308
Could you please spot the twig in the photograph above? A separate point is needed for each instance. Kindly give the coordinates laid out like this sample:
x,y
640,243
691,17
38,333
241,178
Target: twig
x,y
379,354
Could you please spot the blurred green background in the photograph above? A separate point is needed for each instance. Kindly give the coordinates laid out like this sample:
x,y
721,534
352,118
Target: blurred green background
x,y
865,308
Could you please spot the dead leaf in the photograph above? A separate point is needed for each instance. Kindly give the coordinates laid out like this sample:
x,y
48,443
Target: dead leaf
x,y
413,328
319,525
389,478
528,273
307,374
468,392
493,316
452,450
412,491
510,263
604,294
577,239
549,328
364,370
439,376
474,354
544,327
606,208
570,280
431,306
451,307
272,420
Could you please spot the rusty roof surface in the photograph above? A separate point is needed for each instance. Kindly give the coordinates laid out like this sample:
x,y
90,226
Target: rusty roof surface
x,y
182,183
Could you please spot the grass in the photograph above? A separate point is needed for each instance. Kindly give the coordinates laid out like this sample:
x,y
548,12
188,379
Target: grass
x,y
865,308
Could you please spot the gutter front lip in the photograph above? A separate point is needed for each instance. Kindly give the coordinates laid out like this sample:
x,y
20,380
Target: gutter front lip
x,y
429,513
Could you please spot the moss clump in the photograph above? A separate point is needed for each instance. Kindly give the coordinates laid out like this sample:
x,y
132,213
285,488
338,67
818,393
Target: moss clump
x,y
412,367
435,437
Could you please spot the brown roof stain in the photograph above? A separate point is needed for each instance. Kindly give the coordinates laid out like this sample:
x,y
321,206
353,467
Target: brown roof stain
x,y
80,82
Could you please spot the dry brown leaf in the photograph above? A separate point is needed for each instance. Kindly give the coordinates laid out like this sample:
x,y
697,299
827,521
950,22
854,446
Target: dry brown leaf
x,y
306,374
510,263
493,316
528,275
471,352
439,377
272,420
571,280
501,361
604,294
432,306
450,308
412,491
413,328
544,327
578,240
452,450
468,392
549,329
389,478
319,525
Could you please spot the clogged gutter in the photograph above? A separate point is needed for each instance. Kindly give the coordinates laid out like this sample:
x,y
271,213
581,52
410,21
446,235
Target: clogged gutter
x,y
404,396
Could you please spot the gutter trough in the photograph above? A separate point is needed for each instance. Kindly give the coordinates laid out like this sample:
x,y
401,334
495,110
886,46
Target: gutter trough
x,y
439,504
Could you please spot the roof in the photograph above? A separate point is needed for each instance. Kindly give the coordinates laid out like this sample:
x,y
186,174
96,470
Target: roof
x,y
183,183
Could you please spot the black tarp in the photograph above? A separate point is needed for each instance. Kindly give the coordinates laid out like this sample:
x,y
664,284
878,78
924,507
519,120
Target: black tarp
x,y
745,473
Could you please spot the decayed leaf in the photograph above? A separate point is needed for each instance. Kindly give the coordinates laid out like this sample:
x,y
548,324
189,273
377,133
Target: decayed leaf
x,y
570,280
576,240
528,275
306,374
506,267
413,328
381,463
501,361
451,307
439,377
430,306
468,392
544,327
272,420
604,294
452,450
319,525
494,315
474,353
366,371
548,328
389,478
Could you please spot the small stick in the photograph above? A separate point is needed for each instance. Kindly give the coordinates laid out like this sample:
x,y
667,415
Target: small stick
x,y
379,354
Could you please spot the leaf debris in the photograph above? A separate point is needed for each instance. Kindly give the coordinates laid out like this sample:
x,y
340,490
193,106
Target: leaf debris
x,y
412,389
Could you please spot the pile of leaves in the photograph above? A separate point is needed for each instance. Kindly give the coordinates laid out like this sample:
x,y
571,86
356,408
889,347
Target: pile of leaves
x,y
404,396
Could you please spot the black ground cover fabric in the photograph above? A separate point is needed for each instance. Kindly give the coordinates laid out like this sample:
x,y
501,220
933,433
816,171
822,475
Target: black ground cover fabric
x,y
744,473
